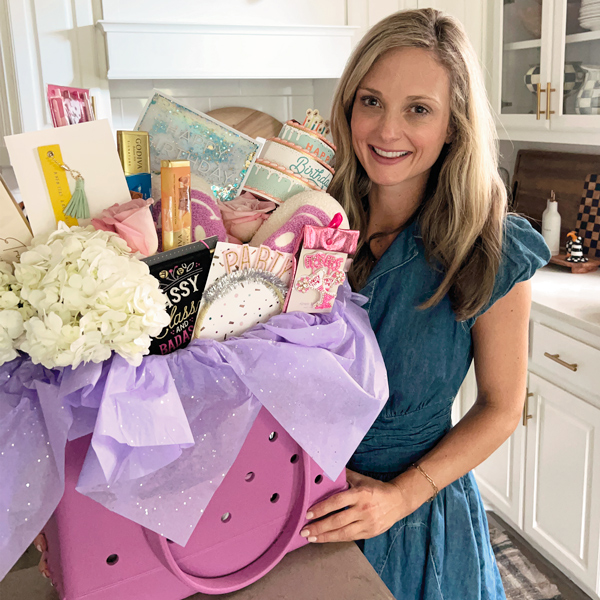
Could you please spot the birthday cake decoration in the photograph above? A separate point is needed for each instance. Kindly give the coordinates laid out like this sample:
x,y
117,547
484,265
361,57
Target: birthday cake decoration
x,y
301,151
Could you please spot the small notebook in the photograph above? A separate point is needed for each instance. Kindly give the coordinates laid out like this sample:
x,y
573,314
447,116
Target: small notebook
x,y
182,274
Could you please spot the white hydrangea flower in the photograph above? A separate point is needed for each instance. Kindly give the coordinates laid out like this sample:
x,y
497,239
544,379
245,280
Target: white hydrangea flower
x,y
13,311
90,295
11,328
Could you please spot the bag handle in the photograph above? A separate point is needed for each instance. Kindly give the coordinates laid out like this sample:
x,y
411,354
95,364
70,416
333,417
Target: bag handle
x,y
256,569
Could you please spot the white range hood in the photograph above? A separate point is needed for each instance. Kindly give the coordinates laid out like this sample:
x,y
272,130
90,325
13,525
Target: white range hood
x,y
199,51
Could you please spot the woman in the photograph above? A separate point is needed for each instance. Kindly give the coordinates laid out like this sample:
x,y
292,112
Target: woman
x,y
445,271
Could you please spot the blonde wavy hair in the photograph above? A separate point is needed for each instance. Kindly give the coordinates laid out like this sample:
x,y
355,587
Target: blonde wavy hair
x,y
462,214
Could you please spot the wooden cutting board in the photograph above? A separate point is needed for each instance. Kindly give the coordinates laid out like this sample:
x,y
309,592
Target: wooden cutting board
x,y
247,120
537,172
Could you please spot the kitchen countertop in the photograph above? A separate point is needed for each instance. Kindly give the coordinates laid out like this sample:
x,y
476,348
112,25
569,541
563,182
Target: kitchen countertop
x,y
572,297
336,571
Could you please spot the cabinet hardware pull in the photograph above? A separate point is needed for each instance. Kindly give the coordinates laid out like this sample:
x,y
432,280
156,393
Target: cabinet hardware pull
x,y
526,415
556,358
549,90
539,110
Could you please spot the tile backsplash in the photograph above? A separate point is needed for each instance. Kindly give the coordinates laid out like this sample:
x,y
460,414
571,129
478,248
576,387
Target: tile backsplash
x,y
282,99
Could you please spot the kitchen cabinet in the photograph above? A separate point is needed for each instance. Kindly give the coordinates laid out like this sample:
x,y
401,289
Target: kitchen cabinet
x,y
562,507
501,478
545,479
545,65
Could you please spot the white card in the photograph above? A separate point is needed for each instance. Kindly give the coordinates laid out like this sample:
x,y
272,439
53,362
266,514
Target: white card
x,y
88,148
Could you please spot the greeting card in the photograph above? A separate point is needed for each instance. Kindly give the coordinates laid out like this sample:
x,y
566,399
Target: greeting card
x,y
245,286
15,233
217,153
321,266
87,148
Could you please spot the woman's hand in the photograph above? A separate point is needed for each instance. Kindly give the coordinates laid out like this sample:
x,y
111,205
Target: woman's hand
x,y
372,507
41,544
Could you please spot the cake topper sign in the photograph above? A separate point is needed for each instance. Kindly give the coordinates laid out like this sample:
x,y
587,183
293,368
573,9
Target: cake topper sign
x,y
316,122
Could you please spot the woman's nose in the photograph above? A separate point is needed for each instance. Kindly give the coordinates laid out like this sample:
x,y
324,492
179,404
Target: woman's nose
x,y
392,127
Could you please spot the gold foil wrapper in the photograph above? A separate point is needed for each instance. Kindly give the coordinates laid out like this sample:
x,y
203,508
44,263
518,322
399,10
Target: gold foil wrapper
x,y
134,151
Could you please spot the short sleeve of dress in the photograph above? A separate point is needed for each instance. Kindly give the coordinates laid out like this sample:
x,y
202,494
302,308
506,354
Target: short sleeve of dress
x,y
524,251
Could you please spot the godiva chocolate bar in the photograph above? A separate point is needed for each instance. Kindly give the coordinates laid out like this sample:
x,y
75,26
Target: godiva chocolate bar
x,y
181,275
176,208
134,152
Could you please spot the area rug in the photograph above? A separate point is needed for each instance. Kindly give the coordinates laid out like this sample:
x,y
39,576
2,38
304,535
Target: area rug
x,y
522,580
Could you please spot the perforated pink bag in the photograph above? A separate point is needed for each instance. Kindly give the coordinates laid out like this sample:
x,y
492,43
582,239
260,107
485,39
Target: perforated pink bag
x,y
252,521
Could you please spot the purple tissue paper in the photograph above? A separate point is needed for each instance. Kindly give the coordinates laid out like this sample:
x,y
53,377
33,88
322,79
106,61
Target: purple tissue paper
x,y
172,427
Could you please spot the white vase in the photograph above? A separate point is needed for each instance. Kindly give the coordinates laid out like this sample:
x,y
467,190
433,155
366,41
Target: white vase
x,y
551,226
588,97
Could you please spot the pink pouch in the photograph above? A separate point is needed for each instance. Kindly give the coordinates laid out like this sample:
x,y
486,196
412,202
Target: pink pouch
x,y
252,521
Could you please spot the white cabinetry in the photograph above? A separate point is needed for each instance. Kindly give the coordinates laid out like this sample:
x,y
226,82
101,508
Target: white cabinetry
x,y
562,503
559,58
501,477
473,15
545,479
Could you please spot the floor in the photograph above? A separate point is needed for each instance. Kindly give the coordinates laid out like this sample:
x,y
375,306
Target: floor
x,y
566,587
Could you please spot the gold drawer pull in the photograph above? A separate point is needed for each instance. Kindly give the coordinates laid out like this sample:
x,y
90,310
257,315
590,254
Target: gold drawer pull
x,y
556,358
526,415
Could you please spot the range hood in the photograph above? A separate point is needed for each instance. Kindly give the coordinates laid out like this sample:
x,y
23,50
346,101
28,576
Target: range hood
x,y
200,51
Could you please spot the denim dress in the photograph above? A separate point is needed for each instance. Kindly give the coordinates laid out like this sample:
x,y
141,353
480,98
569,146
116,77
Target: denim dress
x,y
442,550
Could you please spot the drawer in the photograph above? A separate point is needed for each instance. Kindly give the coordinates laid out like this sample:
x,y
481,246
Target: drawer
x,y
571,361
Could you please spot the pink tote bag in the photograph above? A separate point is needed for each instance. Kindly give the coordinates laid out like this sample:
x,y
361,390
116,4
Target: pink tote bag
x,y
252,521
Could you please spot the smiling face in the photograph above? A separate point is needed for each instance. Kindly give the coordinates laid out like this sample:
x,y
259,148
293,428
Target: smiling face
x,y
400,118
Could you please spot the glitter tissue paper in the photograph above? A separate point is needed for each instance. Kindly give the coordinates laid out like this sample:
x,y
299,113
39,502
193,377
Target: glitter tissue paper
x,y
175,424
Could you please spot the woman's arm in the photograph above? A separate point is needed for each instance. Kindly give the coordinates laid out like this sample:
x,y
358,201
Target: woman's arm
x,y
500,340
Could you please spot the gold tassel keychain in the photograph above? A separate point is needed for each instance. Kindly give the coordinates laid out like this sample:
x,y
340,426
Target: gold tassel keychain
x,y
78,206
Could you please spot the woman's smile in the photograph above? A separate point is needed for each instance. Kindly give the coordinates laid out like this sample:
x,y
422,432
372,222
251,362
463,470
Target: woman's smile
x,y
388,157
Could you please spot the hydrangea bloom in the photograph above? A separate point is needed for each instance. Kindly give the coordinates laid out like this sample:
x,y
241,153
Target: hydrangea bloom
x,y
13,311
90,297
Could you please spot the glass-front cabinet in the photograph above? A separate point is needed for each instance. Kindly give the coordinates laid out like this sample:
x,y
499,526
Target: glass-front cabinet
x,y
546,70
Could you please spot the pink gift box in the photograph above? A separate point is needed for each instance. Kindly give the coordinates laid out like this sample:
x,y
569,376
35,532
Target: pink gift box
x,y
251,522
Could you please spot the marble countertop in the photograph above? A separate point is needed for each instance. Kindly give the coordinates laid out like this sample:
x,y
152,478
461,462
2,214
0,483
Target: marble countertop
x,y
573,298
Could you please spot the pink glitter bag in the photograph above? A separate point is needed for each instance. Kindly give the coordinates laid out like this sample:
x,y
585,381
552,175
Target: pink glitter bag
x,y
252,521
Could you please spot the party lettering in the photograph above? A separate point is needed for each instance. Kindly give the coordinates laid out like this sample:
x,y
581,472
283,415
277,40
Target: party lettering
x,y
323,260
182,290
315,150
302,167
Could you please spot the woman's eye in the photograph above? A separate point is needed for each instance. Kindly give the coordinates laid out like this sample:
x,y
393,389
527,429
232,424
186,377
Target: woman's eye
x,y
369,101
420,110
